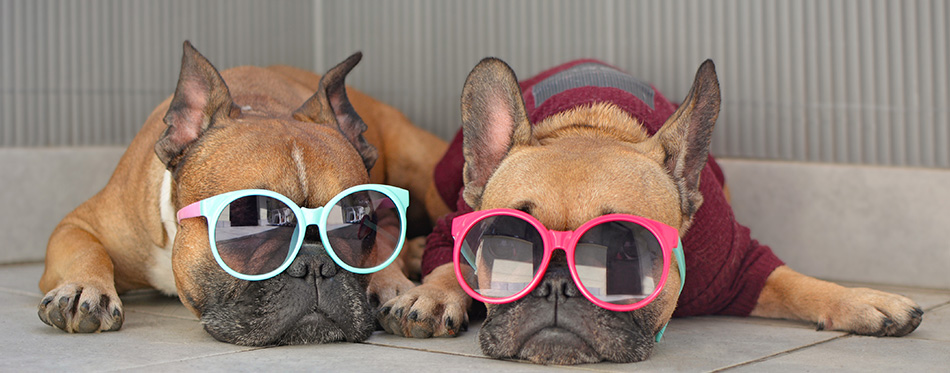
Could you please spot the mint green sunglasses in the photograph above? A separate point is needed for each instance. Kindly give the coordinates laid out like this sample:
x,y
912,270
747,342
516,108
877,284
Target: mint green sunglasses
x,y
256,233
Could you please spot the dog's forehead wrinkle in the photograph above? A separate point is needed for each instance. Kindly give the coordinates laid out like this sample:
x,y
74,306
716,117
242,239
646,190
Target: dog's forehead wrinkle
x,y
567,187
599,119
311,153
301,167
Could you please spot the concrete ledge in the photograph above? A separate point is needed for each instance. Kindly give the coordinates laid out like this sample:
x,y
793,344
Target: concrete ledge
x,y
40,186
879,225
841,222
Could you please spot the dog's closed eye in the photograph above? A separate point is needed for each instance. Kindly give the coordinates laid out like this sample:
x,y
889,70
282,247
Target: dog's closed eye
x,y
525,206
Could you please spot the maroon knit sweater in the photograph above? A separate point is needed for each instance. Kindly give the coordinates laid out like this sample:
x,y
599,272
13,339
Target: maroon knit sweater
x,y
725,268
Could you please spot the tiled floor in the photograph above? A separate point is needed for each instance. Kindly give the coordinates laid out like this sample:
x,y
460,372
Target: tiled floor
x,y
160,335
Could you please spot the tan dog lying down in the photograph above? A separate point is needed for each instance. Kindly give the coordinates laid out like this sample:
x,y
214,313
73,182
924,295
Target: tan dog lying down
x,y
245,128
579,142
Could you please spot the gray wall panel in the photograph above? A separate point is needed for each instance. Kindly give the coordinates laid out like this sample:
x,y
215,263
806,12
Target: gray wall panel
x,y
86,73
846,81
824,220
40,186
843,82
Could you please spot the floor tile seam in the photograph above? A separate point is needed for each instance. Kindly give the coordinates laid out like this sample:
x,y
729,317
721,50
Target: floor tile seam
x,y
581,368
127,309
926,311
151,313
892,287
781,353
420,349
20,292
155,364
21,264
937,306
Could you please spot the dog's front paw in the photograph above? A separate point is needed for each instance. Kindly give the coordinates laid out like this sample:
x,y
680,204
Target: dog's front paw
x,y
871,312
83,309
426,311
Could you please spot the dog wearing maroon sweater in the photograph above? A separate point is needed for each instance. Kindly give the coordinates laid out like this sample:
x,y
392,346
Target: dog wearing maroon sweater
x,y
583,140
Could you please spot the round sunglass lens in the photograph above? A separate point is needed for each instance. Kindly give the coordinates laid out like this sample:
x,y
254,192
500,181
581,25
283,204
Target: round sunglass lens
x,y
364,228
619,262
500,256
254,234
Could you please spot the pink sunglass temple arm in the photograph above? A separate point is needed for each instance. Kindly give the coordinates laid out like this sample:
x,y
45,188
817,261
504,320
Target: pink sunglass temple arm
x,y
191,211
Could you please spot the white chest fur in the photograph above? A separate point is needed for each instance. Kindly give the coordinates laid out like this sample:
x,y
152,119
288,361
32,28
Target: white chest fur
x,y
160,273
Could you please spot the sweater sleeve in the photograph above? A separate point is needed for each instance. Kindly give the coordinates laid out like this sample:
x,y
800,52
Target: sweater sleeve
x,y
725,268
439,243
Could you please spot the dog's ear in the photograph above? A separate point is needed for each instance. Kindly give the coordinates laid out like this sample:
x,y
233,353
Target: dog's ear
x,y
201,96
330,105
685,137
493,121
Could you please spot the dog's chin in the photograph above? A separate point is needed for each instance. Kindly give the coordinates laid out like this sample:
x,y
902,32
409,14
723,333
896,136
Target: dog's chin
x,y
285,310
558,346
314,328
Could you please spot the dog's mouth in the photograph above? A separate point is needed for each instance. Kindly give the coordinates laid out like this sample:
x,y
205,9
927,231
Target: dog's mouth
x,y
314,327
291,317
299,306
555,345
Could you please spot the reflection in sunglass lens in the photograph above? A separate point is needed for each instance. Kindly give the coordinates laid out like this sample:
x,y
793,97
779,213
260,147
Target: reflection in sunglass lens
x,y
619,262
500,255
364,228
255,234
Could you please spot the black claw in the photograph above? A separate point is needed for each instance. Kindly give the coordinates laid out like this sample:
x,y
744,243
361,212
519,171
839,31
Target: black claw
x,y
385,310
413,316
63,302
115,326
84,308
117,320
46,301
398,313
449,323
385,325
917,312
821,326
43,318
887,322
393,327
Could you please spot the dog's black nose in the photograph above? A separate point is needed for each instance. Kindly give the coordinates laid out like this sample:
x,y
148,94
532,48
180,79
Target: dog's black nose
x,y
557,284
312,258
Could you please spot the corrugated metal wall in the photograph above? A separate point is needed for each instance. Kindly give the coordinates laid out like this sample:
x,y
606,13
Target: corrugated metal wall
x,y
81,73
820,81
841,81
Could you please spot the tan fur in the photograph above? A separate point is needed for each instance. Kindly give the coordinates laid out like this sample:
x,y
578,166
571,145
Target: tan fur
x,y
102,248
792,295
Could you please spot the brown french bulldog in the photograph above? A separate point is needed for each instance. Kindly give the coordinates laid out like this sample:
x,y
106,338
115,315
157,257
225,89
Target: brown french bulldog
x,y
587,161
245,128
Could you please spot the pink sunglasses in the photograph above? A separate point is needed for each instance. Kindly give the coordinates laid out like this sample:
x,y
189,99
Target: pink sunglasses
x,y
619,262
